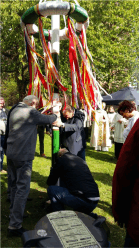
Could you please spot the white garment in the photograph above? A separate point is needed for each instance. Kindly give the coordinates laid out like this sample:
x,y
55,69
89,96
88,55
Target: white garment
x,y
2,127
119,127
85,120
100,131
131,122
110,117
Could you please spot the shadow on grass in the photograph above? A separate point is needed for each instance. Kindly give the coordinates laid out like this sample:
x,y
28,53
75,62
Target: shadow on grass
x,y
38,155
105,178
39,179
105,206
37,208
117,234
100,155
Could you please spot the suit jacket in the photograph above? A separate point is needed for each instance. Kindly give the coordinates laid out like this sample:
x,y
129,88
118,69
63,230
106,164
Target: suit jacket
x,y
72,136
22,134
75,174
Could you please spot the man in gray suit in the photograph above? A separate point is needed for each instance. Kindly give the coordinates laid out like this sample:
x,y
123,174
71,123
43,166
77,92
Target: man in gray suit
x,y
21,143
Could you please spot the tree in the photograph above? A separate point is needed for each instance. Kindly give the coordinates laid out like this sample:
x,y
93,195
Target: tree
x,y
13,59
112,38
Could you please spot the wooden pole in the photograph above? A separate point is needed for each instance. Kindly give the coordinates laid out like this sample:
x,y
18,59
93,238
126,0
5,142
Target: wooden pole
x,y
55,48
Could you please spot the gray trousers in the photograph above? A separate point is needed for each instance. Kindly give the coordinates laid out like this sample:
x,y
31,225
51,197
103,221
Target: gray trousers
x,y
20,172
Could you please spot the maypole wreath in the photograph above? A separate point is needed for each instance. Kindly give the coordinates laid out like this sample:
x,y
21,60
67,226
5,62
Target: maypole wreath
x,y
83,80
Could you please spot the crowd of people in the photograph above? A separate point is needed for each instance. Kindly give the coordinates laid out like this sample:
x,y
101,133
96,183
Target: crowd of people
x,y
77,187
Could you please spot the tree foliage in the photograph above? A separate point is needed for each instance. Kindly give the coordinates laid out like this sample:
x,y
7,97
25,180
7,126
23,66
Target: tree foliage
x,y
112,38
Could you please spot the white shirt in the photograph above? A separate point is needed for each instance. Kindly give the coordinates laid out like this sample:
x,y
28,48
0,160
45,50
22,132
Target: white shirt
x,y
110,117
119,127
85,120
131,122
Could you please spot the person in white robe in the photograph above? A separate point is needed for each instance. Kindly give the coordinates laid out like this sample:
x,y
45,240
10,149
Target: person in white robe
x,y
111,113
118,125
100,133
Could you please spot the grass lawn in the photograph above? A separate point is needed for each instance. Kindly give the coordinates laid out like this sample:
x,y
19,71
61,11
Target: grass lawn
x,y
101,164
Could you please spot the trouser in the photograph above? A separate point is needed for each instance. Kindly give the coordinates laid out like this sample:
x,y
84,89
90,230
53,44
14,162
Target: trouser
x,y
20,172
61,196
48,128
1,151
86,132
41,138
129,242
118,147
82,154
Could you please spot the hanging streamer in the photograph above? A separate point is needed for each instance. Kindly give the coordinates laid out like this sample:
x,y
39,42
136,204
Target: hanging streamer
x,y
36,77
86,84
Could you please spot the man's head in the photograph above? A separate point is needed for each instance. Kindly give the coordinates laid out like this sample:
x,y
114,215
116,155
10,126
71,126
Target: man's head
x,y
126,108
62,151
31,100
68,112
2,102
111,109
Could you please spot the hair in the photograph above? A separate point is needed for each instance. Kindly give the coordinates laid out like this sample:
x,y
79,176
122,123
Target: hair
x,y
69,108
29,99
127,105
2,99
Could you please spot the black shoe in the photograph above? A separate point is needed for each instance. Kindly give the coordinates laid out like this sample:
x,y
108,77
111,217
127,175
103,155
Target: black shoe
x,y
49,209
16,232
93,215
99,221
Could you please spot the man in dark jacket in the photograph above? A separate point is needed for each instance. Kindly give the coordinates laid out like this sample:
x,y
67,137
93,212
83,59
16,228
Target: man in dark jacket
x,y
21,142
80,191
72,134
125,188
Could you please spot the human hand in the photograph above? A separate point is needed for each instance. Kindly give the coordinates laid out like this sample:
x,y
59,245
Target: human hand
x,y
57,123
120,121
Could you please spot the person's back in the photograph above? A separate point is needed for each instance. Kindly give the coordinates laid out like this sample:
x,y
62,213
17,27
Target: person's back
x,y
22,136
78,189
75,174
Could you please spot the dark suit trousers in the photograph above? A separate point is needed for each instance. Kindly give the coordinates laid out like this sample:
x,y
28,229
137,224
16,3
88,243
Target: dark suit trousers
x,y
40,131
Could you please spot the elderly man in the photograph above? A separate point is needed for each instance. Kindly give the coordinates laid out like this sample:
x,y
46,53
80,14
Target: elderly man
x,y
21,142
3,122
72,131
79,191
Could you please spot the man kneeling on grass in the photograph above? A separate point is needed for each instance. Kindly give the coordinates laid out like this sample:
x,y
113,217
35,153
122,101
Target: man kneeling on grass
x,y
79,190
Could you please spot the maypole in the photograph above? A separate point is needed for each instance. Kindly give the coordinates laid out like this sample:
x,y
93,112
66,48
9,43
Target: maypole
x,y
83,79
55,48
